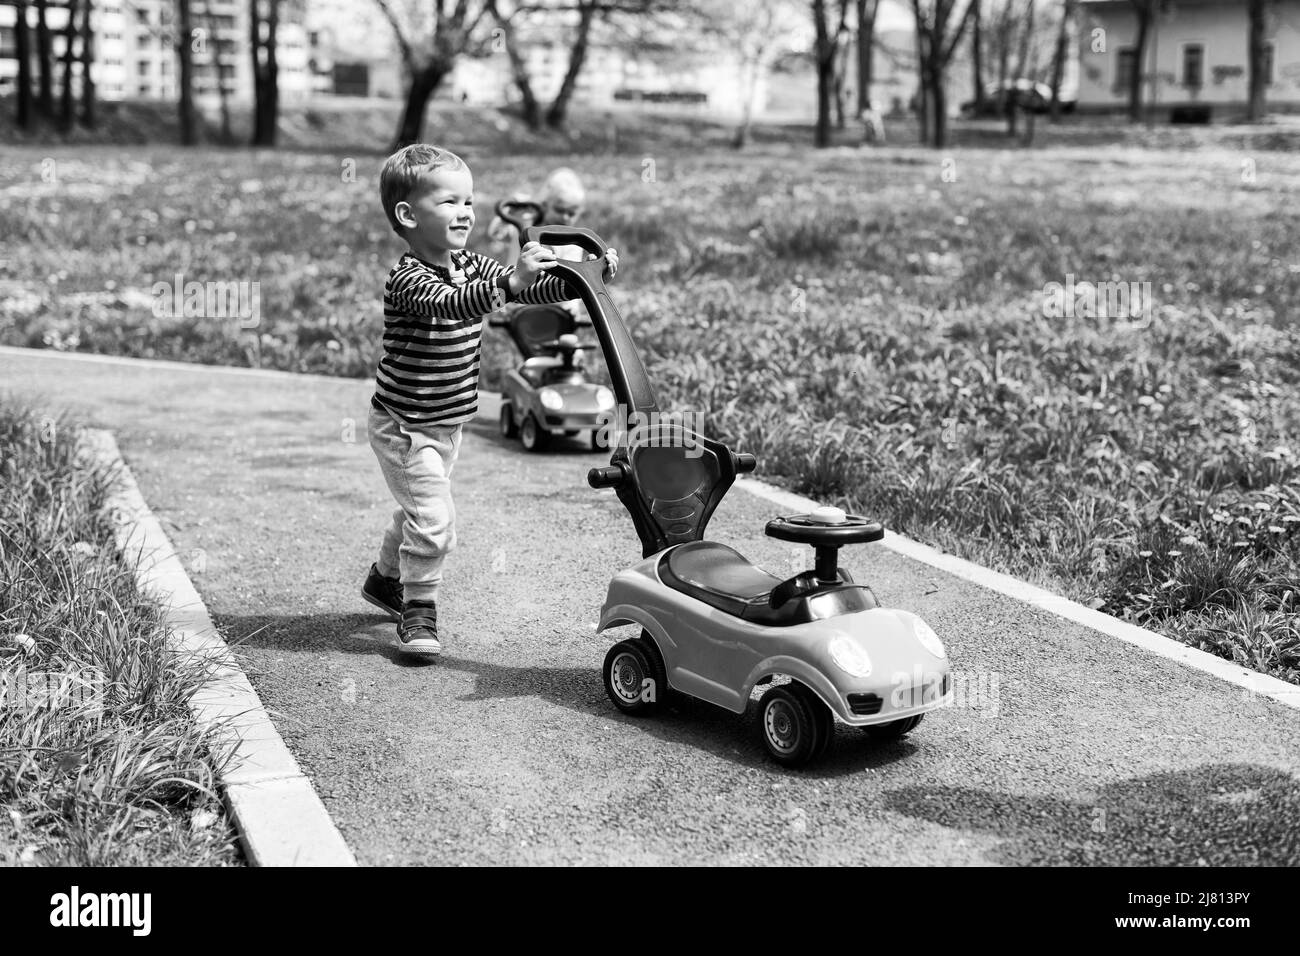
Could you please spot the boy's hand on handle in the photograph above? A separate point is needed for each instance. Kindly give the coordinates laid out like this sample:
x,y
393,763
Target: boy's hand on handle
x,y
611,262
534,259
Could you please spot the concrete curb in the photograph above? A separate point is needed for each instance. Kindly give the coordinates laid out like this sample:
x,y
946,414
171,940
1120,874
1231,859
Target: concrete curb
x,y
281,820
1252,681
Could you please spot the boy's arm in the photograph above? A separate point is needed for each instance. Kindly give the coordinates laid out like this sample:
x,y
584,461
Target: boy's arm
x,y
547,289
420,293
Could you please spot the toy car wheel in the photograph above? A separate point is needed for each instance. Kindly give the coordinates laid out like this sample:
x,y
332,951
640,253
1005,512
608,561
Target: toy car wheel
x,y
531,434
796,726
508,427
634,678
894,729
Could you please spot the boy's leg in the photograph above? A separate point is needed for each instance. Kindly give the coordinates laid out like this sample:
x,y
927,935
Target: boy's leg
x,y
417,465
388,557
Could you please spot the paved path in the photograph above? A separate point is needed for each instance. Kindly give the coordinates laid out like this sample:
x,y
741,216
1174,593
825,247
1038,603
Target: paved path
x,y
1069,746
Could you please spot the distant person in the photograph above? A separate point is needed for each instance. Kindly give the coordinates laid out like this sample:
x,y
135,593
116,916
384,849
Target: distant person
x,y
563,200
427,382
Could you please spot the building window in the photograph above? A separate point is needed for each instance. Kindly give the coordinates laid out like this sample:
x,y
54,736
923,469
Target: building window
x,y
1193,66
142,69
1125,61
1266,64
8,43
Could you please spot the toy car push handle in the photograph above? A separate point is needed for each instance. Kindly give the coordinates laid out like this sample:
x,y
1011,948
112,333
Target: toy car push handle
x,y
744,462
609,477
626,373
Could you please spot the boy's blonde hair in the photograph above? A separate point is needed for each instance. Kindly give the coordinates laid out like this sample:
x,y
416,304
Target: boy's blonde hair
x,y
402,172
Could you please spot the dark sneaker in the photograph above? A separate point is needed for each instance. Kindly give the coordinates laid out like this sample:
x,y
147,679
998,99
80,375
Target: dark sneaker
x,y
382,592
418,631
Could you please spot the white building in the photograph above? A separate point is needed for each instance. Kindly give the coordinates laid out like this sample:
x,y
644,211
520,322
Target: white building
x,y
135,55
1197,53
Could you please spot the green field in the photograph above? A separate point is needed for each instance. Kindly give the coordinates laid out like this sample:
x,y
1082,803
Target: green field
x,y
871,324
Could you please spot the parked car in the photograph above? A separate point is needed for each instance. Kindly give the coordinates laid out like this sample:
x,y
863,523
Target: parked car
x,y
1035,97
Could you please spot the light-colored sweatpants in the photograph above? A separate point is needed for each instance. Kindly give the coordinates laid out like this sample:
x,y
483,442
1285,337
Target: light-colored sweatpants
x,y
417,464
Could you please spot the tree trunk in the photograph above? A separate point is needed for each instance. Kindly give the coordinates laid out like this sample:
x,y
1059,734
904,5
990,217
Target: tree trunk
x,y
218,50
1014,98
866,10
266,92
939,106
423,84
23,50
1058,58
88,117
977,56
531,108
185,74
45,67
1256,107
749,82
1143,10
66,112
558,113
824,55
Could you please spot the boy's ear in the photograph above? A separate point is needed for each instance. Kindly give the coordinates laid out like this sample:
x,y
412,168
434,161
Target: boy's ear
x,y
405,215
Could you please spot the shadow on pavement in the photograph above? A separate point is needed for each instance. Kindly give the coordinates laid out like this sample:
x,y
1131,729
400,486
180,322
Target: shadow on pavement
x,y
686,722
1217,815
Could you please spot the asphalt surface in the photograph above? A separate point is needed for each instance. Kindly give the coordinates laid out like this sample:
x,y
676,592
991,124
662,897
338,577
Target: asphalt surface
x,y
1066,746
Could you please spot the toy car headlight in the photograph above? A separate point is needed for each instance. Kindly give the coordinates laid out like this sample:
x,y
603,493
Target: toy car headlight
x,y
550,398
929,640
849,657
604,398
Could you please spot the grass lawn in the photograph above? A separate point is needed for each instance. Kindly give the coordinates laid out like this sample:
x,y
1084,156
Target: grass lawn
x,y
872,324
100,763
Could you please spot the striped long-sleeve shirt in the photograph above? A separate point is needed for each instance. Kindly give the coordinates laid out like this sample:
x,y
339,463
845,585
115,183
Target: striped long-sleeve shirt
x,y
433,327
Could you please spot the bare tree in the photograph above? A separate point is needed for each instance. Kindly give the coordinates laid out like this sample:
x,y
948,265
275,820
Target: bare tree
x,y
88,112
1068,9
66,115
1145,11
556,115
1258,77
530,107
218,51
825,53
938,31
264,25
184,40
455,30
23,50
866,11
44,64
1014,98
977,54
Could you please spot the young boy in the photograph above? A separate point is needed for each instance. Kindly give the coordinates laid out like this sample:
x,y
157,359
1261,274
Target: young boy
x,y
427,383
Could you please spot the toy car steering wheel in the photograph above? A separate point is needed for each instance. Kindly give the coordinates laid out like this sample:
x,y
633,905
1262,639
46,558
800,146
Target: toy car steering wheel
x,y
825,526
827,530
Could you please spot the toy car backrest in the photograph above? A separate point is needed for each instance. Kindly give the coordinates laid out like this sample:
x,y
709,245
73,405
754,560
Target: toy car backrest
x,y
672,481
531,325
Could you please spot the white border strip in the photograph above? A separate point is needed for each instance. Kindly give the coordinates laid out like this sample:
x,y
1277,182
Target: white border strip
x,y
1249,680
281,820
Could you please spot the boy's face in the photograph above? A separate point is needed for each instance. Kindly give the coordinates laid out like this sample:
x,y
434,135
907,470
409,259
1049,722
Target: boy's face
x,y
441,213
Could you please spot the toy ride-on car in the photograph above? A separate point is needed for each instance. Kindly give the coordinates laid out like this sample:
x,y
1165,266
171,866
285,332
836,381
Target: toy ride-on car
x,y
713,625
550,393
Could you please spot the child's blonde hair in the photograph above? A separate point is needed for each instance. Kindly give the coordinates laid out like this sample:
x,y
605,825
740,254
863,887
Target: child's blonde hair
x,y
563,183
402,172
